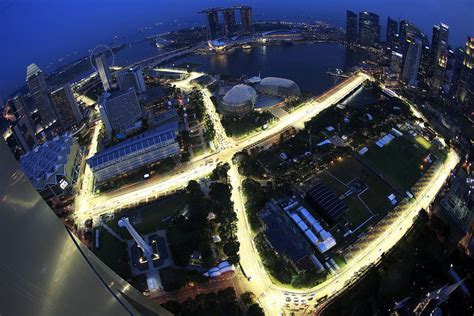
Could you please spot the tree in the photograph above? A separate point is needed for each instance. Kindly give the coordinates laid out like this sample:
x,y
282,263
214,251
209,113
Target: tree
x,y
255,310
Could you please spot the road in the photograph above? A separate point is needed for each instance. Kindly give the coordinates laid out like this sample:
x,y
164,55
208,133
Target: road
x,y
203,165
272,297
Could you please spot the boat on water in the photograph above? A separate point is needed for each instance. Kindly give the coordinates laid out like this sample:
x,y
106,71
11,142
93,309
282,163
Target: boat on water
x,y
246,46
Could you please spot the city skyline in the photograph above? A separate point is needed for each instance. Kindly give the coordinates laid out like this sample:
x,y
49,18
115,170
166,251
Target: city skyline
x,y
68,41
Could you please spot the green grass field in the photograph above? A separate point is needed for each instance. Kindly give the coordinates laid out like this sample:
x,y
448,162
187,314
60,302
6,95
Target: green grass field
x,y
375,197
398,162
113,253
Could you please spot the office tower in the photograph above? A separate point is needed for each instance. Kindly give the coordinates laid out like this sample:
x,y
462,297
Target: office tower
x,y
369,28
408,30
229,22
24,133
396,63
104,72
119,110
439,51
351,27
469,53
66,107
46,269
465,89
411,63
39,93
392,31
131,78
425,64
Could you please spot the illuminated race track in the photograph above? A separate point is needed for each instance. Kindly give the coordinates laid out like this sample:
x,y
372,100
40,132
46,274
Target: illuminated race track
x,y
271,296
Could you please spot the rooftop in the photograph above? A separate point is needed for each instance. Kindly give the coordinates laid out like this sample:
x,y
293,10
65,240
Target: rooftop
x,y
134,144
32,70
46,161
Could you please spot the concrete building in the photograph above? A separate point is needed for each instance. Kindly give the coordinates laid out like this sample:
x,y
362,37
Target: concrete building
x,y
24,133
138,151
213,24
411,63
369,28
104,72
52,166
131,78
66,108
246,19
351,27
230,26
119,110
238,100
39,93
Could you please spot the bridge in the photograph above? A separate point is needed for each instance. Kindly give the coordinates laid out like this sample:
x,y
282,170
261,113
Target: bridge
x,y
164,57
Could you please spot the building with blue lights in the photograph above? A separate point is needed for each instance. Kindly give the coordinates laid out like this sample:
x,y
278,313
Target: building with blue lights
x,y
141,150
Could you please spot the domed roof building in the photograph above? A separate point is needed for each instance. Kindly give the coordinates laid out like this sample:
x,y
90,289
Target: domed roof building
x,y
279,86
238,100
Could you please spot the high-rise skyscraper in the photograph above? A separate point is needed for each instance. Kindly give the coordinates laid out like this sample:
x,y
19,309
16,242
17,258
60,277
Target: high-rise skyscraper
x,y
229,22
131,78
411,63
246,19
392,31
104,72
39,93
119,110
465,89
351,27
66,107
425,64
212,23
396,63
439,50
369,28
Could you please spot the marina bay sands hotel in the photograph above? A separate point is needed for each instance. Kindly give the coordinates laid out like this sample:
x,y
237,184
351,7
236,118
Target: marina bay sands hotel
x,y
229,28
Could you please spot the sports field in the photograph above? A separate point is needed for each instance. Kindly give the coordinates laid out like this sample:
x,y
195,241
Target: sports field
x,y
370,202
401,162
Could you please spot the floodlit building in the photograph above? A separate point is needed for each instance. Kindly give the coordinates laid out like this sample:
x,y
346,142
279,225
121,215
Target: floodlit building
x,y
238,100
279,87
119,110
52,166
141,150
66,107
